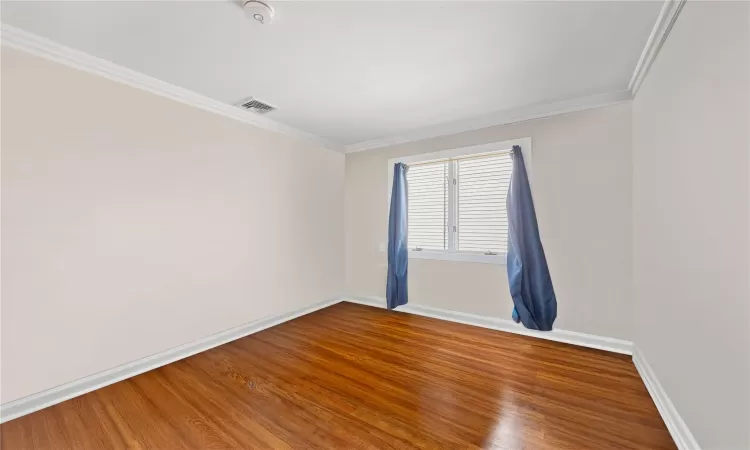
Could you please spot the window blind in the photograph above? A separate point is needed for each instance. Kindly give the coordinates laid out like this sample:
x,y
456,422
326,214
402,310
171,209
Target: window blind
x,y
482,188
427,190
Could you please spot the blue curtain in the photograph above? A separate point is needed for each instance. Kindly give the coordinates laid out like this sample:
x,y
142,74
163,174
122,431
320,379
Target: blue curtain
x,y
528,274
398,256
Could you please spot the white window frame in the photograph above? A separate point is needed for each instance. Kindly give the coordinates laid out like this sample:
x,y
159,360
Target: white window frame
x,y
452,255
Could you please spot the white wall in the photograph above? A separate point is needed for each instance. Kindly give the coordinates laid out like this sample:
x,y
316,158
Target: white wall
x,y
132,224
582,189
691,221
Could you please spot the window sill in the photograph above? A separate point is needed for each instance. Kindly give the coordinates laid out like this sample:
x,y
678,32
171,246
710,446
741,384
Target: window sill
x,y
459,256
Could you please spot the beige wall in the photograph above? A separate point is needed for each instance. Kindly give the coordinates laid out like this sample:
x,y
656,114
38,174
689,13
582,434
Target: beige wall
x,y
691,197
132,224
582,188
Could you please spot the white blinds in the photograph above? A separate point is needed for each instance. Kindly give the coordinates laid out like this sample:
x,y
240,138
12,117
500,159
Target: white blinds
x,y
482,187
427,188
458,205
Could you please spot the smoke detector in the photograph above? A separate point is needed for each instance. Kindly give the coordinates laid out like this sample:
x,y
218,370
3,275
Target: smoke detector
x,y
258,11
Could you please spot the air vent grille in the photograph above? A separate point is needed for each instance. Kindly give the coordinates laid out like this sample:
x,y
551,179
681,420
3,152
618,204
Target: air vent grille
x,y
256,106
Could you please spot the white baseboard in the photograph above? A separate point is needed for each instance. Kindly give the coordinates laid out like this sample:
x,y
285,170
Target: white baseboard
x,y
677,428
377,302
494,323
681,434
35,402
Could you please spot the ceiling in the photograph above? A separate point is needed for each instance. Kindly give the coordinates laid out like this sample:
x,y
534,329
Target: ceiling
x,y
357,71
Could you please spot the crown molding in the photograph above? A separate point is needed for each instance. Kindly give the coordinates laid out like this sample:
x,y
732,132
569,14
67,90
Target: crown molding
x,y
22,40
667,16
670,10
494,119
18,39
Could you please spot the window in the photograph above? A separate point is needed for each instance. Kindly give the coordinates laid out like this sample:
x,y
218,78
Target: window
x,y
457,202
482,186
427,188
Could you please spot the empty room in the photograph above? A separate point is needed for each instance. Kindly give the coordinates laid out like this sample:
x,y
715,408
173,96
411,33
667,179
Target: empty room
x,y
252,224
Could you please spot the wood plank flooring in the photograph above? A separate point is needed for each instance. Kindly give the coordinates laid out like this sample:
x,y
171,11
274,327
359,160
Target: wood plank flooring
x,y
356,377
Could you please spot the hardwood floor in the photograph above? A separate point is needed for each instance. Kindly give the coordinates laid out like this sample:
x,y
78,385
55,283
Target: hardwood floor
x,y
352,376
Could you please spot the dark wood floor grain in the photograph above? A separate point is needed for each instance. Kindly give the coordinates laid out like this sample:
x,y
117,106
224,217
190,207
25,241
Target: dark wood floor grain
x,y
356,377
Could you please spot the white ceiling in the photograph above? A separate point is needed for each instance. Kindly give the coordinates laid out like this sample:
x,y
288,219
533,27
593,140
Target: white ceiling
x,y
357,71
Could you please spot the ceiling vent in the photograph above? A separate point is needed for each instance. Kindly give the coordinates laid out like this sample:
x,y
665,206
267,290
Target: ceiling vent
x,y
255,106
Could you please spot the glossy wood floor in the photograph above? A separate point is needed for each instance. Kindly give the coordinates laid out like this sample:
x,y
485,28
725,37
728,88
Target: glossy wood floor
x,y
353,377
